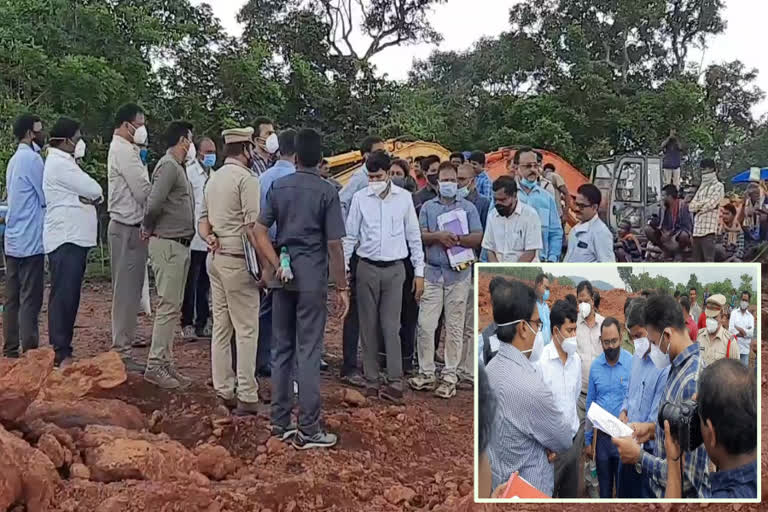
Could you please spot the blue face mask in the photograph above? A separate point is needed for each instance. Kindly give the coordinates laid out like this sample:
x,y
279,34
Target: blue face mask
x,y
144,154
209,160
527,183
448,189
546,295
462,193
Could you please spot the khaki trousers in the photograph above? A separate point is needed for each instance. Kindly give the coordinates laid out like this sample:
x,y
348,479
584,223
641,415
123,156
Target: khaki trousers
x,y
170,263
467,364
452,299
235,309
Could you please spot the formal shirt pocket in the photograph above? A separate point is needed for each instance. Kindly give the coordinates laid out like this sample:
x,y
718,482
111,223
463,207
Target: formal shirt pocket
x,y
397,226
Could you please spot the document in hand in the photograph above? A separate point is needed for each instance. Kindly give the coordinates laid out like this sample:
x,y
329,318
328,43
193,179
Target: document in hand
x,y
607,422
251,261
456,222
518,488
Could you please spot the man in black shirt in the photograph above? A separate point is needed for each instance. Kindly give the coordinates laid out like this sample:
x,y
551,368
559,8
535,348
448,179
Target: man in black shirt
x,y
430,166
307,211
672,158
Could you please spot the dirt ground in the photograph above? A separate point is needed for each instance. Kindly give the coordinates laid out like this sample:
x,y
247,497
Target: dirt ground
x,y
425,445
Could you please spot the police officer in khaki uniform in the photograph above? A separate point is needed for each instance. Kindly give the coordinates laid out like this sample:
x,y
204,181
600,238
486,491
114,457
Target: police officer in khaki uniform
x,y
715,339
230,209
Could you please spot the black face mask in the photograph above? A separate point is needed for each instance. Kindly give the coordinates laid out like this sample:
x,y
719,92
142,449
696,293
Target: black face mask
x,y
612,354
502,210
433,179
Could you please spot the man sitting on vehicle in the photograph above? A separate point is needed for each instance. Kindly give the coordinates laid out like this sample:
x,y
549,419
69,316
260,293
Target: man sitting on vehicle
x,y
628,248
673,234
730,247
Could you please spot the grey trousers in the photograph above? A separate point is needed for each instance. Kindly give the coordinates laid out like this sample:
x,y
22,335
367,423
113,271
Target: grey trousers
x,y
379,304
298,328
128,254
567,466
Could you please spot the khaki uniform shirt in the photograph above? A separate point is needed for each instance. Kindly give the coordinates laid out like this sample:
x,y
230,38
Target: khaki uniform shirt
x,y
715,347
230,202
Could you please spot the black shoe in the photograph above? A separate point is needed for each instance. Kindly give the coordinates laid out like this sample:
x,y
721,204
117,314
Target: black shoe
x,y
323,365
319,440
250,409
392,394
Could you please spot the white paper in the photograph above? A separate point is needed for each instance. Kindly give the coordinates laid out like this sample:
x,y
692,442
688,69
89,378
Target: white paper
x,y
607,422
464,255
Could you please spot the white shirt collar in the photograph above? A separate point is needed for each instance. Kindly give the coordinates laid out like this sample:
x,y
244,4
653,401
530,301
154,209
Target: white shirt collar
x,y
57,152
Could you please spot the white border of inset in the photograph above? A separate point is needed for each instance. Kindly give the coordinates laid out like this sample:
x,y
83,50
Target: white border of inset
x,y
755,267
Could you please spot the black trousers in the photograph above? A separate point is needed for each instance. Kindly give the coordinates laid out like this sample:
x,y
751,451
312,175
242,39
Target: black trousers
x,y
23,299
298,327
351,335
409,318
67,265
194,310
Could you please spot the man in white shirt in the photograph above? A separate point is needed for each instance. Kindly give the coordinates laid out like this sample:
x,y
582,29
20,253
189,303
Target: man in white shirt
x,y
195,310
382,220
742,325
588,342
69,231
129,187
513,230
560,368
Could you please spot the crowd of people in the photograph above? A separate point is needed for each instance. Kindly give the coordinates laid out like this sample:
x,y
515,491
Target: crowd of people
x,y
541,370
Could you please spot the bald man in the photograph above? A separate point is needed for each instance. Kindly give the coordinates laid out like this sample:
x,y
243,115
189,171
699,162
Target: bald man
x,y
195,313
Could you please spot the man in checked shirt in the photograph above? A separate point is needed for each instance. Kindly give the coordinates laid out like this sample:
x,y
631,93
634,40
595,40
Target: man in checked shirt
x,y
671,346
706,209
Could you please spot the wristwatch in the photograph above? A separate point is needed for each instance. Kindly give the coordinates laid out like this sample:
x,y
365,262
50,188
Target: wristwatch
x,y
639,465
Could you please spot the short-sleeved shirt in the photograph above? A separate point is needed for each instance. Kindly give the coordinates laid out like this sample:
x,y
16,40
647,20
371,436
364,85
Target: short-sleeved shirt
x,y
307,211
672,154
231,201
590,242
715,346
437,264
509,237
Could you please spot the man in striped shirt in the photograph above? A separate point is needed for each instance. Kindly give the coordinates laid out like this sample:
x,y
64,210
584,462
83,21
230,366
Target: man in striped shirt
x,y
706,208
671,347
482,180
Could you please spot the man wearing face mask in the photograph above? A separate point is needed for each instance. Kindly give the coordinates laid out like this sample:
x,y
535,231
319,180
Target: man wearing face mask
x,y
430,166
267,145
69,232
560,368
446,288
382,220
705,207
588,342
23,249
128,189
715,340
169,225
672,348
194,311
608,384
542,296
513,232
529,424
727,413
742,325
527,165
468,190
641,401
359,180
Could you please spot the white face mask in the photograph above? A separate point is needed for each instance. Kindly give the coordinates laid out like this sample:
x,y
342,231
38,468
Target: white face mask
x,y
79,149
744,305
641,346
569,345
140,136
191,152
377,187
272,144
659,358
712,325
538,342
585,308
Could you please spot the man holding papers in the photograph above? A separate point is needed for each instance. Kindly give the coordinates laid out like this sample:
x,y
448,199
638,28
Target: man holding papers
x,y
447,280
608,382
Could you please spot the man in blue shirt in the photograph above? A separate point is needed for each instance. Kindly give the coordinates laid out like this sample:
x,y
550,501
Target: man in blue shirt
x,y
24,254
727,402
641,403
542,296
482,180
608,383
285,166
526,164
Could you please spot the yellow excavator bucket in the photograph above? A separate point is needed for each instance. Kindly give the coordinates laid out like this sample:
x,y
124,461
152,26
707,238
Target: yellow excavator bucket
x,y
343,166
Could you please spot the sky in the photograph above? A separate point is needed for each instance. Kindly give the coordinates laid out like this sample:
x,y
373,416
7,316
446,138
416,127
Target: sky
x,y
675,273
462,22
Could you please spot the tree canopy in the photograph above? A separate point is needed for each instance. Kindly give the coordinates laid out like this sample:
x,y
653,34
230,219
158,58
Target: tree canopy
x,y
586,79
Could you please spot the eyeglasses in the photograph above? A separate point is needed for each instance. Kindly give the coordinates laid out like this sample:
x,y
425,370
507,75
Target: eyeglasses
x,y
536,324
581,206
528,167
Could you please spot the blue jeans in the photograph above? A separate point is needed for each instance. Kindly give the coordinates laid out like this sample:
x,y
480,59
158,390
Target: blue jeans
x,y
607,462
744,359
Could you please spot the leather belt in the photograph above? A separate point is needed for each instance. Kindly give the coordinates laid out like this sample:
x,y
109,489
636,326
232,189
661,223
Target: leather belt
x,y
381,264
127,225
230,254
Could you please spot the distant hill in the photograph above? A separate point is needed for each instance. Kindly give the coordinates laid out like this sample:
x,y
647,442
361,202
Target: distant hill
x,y
600,285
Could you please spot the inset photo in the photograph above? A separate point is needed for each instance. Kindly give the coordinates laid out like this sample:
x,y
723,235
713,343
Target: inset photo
x,y
618,382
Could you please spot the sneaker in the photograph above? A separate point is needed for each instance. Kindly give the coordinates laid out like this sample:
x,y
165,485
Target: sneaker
x,y
446,390
229,403
284,433
160,377
422,382
250,409
323,366
133,366
466,381
205,332
184,381
188,333
319,440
